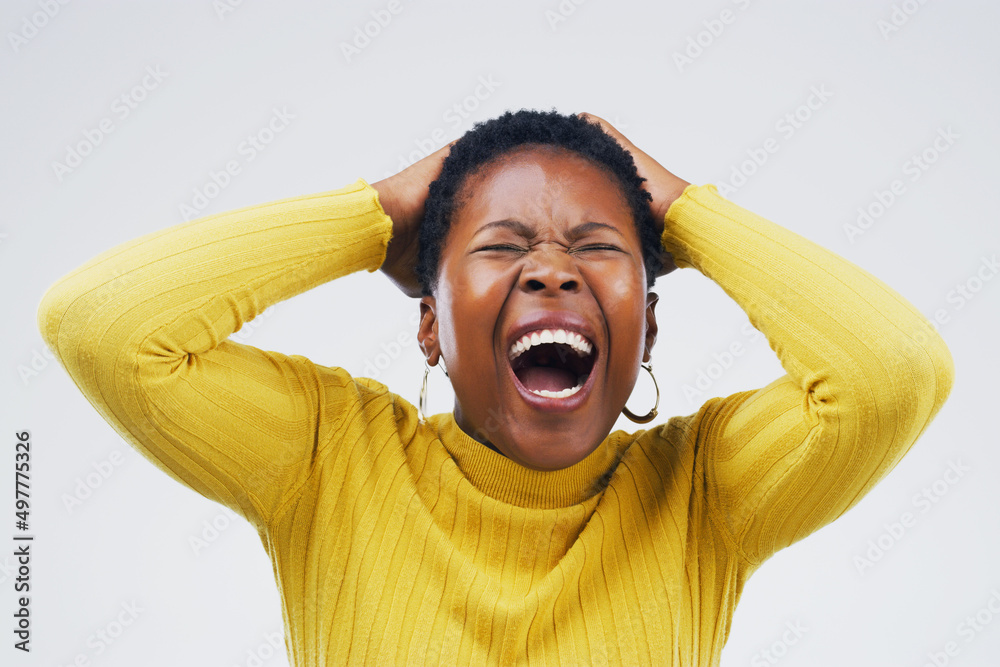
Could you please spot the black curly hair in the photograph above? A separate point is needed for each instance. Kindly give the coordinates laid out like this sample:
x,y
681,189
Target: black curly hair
x,y
495,138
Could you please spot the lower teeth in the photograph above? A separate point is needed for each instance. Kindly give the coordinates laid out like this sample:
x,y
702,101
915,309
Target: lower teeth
x,y
564,393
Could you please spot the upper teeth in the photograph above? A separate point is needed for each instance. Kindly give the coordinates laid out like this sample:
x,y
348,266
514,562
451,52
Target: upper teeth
x,y
580,344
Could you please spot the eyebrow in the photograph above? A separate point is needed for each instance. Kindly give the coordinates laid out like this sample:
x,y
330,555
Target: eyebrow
x,y
524,230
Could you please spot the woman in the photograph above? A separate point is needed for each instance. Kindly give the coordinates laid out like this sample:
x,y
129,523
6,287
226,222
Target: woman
x,y
519,528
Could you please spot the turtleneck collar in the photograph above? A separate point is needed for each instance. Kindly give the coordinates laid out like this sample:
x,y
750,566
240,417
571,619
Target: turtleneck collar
x,y
507,481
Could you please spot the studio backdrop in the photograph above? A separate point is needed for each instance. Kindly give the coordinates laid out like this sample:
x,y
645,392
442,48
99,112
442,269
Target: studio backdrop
x,y
866,126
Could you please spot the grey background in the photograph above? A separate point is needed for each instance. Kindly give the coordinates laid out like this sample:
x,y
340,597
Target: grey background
x,y
224,73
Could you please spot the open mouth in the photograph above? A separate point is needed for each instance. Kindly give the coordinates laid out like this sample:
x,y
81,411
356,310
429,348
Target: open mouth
x,y
554,363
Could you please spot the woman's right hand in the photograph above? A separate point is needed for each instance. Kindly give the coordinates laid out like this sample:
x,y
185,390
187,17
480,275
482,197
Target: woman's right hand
x,y
402,197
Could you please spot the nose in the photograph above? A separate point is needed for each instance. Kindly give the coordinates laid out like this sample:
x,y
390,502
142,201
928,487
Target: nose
x,y
549,270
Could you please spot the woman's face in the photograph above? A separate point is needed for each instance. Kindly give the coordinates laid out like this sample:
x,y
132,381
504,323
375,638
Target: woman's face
x,y
542,240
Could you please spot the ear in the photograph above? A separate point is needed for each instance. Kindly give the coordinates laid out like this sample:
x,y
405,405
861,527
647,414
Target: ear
x,y
427,331
652,299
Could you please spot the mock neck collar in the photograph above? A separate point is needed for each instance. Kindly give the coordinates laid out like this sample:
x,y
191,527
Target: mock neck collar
x,y
507,481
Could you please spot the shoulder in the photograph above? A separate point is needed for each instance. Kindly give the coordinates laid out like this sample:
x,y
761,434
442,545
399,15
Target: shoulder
x,y
354,407
675,442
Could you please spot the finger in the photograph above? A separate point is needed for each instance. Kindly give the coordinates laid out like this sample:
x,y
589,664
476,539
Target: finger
x,y
609,129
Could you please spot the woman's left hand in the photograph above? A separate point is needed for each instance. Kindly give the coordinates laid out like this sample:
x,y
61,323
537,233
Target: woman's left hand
x,y
664,186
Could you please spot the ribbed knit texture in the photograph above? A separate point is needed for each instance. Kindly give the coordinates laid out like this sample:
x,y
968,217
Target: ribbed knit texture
x,y
400,543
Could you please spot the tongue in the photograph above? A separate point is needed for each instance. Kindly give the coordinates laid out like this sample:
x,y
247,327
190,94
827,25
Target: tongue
x,y
537,378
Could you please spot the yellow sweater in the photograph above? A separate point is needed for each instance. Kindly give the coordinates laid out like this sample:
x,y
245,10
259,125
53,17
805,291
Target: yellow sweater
x,y
395,542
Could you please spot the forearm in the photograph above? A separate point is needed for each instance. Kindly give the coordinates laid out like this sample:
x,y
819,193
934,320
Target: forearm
x,y
827,319
183,290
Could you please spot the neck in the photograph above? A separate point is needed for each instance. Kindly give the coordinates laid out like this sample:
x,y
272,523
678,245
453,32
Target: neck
x,y
502,478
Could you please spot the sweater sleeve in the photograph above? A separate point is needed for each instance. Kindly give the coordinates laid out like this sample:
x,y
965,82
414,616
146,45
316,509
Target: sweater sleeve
x,y
142,330
866,374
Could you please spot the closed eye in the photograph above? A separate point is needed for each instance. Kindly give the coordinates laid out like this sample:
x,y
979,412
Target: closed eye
x,y
597,246
505,246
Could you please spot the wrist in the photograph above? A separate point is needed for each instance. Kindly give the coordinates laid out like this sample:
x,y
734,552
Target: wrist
x,y
386,198
665,192
674,193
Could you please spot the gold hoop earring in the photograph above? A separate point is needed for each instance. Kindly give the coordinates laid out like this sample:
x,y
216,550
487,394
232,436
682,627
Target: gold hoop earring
x,y
649,416
422,403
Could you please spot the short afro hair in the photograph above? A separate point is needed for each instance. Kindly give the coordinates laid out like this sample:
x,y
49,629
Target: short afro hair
x,y
498,137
